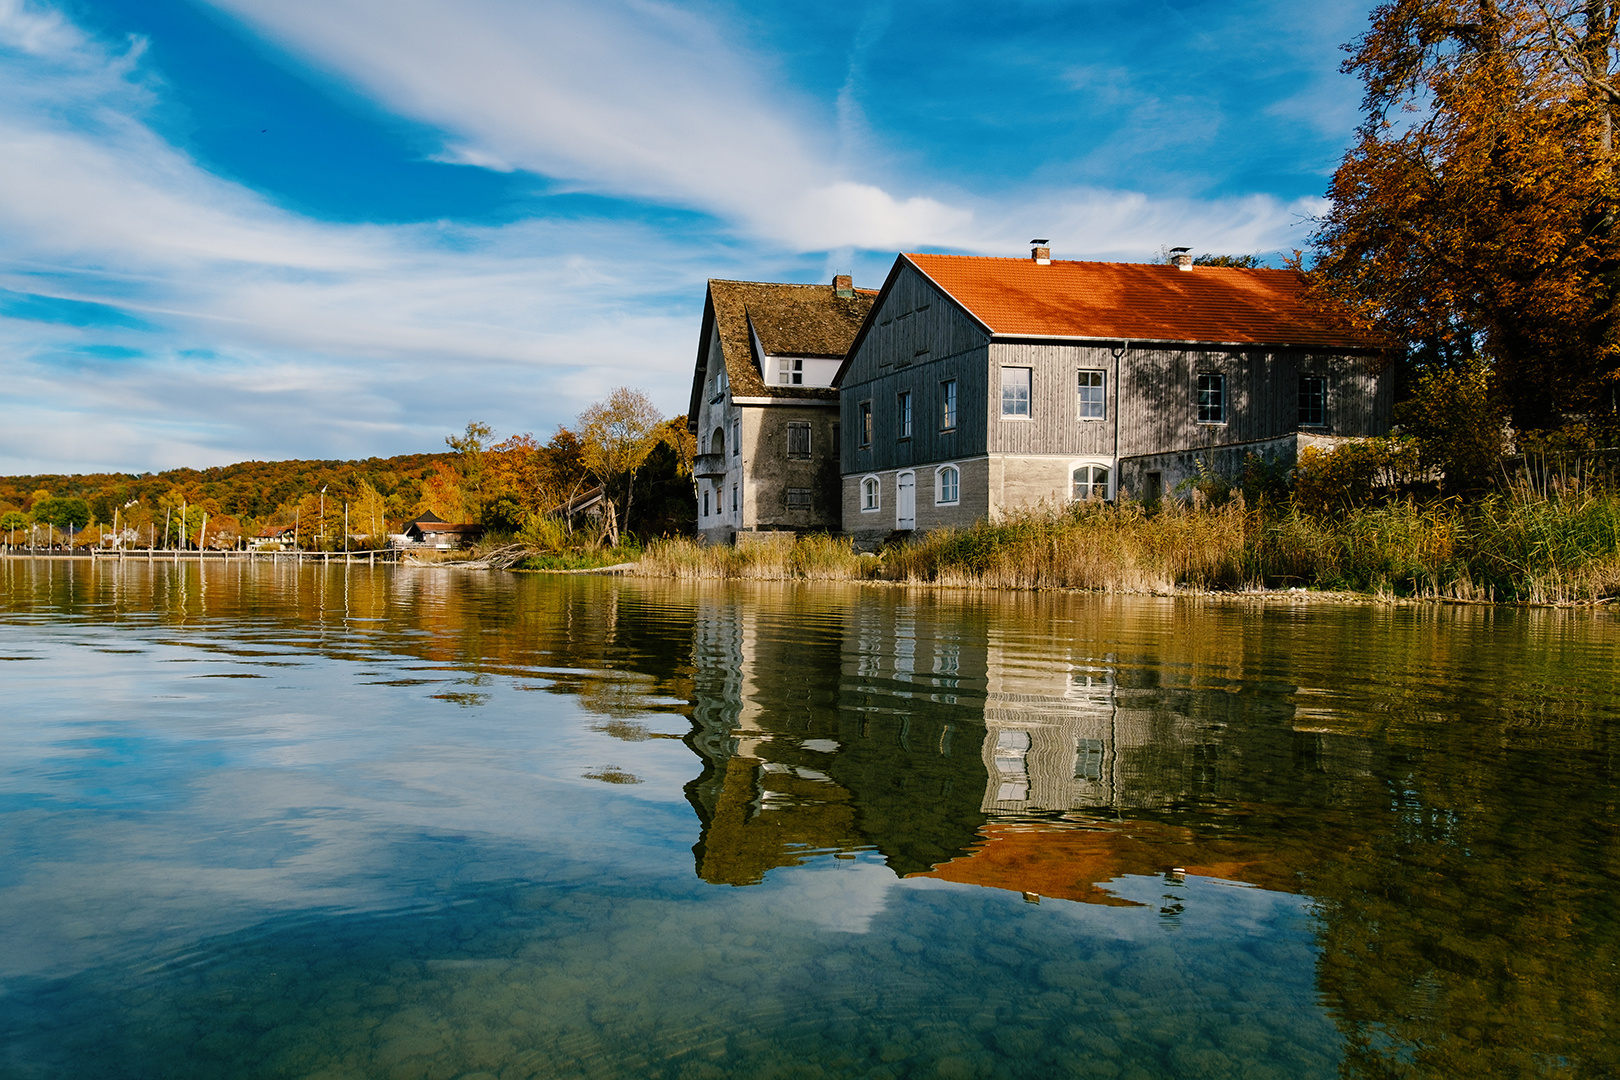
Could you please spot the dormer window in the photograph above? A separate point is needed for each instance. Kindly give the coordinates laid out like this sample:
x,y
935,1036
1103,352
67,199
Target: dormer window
x,y
790,371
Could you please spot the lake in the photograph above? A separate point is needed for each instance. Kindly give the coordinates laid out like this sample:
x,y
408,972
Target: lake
x,y
271,821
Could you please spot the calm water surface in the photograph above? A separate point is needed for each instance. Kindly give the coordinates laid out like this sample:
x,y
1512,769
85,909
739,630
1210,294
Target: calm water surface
x,y
418,823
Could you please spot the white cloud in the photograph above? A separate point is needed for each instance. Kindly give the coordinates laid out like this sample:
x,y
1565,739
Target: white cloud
x,y
273,334
279,335
650,101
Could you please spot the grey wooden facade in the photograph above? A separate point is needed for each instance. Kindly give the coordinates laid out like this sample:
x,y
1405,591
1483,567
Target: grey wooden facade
x,y
1150,439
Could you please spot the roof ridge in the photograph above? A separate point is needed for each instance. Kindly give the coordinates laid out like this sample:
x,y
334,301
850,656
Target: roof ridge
x,y
1076,262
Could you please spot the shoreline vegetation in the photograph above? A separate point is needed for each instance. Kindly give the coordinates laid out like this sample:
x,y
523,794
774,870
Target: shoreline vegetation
x,y
1518,547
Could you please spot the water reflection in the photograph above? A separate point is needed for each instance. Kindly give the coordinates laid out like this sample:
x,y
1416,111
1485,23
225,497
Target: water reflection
x,y
274,821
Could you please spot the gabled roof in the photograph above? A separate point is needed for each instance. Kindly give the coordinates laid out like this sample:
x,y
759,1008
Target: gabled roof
x,y
789,320
1136,302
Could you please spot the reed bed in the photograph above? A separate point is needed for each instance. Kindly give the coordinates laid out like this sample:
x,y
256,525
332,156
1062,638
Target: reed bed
x,y
1516,546
769,558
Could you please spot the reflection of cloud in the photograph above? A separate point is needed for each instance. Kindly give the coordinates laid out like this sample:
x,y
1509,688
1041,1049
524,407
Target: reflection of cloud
x,y
834,894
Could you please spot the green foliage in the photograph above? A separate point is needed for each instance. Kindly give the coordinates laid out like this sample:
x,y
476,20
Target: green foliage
x,y
546,533
14,519
504,512
1266,481
63,512
1352,474
593,559
1459,427
1246,262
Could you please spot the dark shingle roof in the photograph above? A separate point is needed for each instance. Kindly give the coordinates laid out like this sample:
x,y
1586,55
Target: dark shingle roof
x,y
791,320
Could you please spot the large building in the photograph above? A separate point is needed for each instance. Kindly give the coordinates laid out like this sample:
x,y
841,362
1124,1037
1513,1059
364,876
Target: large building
x,y
979,385
763,405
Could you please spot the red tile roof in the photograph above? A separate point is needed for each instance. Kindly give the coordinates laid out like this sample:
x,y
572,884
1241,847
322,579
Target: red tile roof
x,y
1137,302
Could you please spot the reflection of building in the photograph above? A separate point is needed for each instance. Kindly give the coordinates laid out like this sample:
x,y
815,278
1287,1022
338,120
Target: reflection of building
x,y
763,797
816,736
933,726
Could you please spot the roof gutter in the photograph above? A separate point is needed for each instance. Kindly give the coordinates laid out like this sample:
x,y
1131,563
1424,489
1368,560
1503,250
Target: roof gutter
x,y
1003,339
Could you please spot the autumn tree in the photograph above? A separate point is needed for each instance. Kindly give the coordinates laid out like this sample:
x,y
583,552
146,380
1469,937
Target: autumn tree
x,y
367,513
469,447
1473,222
442,494
615,437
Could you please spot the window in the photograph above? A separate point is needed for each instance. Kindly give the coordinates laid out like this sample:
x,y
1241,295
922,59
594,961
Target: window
x,y
736,443
866,423
1312,401
1091,482
705,502
798,439
733,498
869,494
947,485
1211,398
947,397
798,498
903,411
790,371
1093,395
717,441
1014,392
1088,759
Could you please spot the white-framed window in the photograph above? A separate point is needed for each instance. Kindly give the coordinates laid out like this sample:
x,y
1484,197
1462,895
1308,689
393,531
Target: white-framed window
x,y
1312,401
947,401
1093,395
798,498
1089,481
1015,383
1211,397
902,407
736,442
798,439
866,423
790,371
947,485
871,494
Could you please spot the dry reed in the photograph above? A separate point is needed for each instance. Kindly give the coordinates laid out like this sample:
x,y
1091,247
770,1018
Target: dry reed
x,y
1522,546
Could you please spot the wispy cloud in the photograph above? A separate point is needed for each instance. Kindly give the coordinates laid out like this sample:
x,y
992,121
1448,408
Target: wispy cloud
x,y
241,328
156,312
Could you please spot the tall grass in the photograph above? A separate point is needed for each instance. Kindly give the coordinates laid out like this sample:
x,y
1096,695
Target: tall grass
x,y
1085,546
770,557
1518,546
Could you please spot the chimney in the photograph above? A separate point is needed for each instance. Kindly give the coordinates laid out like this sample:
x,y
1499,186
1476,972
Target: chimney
x,y
843,285
1041,253
1181,258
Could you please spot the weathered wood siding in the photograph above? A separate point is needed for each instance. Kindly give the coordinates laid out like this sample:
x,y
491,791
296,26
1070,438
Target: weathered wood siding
x,y
917,339
1155,395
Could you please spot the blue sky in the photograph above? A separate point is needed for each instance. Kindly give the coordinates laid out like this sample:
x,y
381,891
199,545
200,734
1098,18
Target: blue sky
x,y
236,229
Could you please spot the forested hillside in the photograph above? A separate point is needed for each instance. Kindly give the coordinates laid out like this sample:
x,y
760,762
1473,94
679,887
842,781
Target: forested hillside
x,y
499,485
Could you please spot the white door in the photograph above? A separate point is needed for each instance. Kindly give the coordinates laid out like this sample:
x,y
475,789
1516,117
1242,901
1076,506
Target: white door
x,y
905,501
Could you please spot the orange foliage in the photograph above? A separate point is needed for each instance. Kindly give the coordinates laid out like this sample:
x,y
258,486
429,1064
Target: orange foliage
x,y
1476,215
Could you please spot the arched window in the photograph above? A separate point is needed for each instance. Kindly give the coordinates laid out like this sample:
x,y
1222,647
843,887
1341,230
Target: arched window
x,y
947,485
717,441
870,498
1091,482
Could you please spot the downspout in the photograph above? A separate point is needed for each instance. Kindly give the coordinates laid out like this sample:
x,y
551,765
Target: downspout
x,y
1119,398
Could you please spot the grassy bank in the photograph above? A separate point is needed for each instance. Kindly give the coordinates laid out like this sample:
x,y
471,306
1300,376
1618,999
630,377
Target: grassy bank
x,y
1506,548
